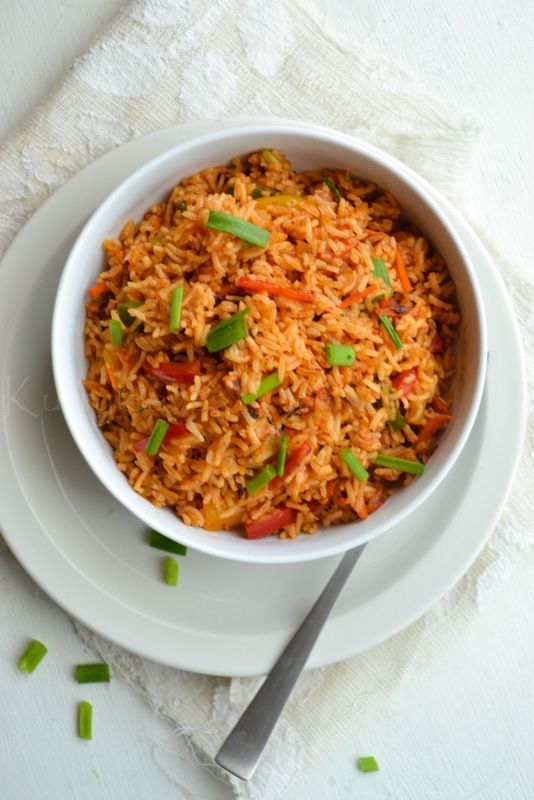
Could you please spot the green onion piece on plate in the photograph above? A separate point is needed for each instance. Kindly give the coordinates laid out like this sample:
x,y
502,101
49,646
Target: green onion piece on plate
x,y
180,206
92,673
156,437
397,423
339,355
32,656
399,464
85,720
123,309
267,384
260,480
115,331
392,333
175,313
161,542
227,332
252,234
381,271
367,764
282,453
331,185
256,192
170,571
354,464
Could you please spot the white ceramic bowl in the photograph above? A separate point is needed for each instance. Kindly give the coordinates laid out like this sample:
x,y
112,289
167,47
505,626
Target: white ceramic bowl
x,y
307,147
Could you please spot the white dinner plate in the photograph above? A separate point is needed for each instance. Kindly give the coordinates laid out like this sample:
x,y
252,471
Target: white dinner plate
x,y
225,618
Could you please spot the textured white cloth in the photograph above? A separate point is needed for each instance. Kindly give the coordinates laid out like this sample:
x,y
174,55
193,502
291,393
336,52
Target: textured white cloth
x,y
162,62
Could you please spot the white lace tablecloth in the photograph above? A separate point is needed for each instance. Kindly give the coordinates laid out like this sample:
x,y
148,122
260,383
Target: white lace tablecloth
x,y
163,62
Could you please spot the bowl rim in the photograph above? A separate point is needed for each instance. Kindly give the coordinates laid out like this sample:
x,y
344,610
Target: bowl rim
x,y
290,552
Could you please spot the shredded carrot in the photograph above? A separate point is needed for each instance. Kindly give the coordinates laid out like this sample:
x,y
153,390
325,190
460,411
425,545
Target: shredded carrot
x,y
264,287
434,424
111,377
402,271
357,296
440,406
369,232
96,290
375,503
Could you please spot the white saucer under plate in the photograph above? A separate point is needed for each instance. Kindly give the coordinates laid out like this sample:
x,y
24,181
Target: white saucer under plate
x,y
225,618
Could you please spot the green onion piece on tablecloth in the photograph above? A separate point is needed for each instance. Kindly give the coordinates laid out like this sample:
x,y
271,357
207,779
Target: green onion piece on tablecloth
x,y
399,464
170,571
282,453
115,331
339,355
367,764
354,464
161,542
175,312
392,333
92,673
32,656
252,234
267,384
260,480
85,720
156,437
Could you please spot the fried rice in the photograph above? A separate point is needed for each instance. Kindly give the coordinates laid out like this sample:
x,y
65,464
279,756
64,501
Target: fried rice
x,y
344,245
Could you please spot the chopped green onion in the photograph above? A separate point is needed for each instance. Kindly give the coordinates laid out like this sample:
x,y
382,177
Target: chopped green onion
x,y
229,189
354,464
256,192
381,271
252,234
156,240
397,424
282,452
340,355
260,480
85,720
269,158
393,335
267,384
400,464
161,542
227,332
176,308
32,656
367,764
92,673
156,437
181,206
170,571
123,309
331,185
115,331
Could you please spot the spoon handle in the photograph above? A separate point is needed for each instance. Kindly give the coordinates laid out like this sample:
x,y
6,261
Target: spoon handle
x,y
242,750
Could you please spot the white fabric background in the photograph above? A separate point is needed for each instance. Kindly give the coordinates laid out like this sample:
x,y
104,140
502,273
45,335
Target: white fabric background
x,y
164,62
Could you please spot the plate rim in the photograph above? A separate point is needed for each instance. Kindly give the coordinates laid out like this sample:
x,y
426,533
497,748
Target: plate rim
x,y
57,593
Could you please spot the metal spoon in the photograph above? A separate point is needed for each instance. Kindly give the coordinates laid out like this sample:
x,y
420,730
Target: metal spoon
x,y
243,748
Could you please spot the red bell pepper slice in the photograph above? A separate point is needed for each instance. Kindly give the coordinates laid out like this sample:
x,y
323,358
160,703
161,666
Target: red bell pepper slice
x,y
176,431
298,455
404,381
268,525
173,372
